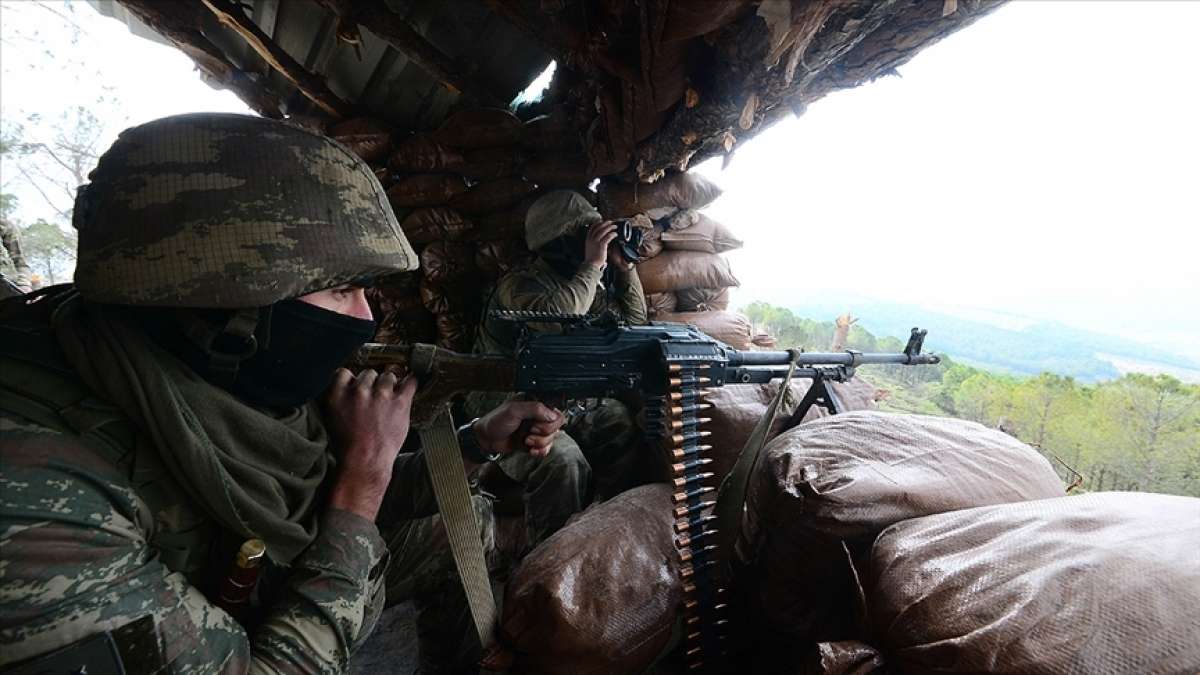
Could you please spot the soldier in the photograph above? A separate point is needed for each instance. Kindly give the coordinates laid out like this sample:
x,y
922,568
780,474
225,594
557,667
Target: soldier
x,y
578,270
158,429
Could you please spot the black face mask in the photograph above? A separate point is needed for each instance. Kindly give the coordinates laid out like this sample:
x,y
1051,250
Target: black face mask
x,y
299,348
306,345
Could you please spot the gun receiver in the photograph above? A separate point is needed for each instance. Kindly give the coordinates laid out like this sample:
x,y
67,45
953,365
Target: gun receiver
x,y
672,366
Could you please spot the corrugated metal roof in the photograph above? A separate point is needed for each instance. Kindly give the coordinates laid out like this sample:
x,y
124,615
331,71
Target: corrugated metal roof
x,y
376,76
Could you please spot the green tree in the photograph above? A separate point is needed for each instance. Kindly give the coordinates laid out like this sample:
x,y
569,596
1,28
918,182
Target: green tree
x,y
50,248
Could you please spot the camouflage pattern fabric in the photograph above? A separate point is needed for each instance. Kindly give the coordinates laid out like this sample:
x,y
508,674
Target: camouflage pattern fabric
x,y
422,570
601,441
593,456
555,214
539,288
218,210
96,534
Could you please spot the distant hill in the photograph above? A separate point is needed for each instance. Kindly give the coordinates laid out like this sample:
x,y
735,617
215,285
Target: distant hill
x,y
1020,347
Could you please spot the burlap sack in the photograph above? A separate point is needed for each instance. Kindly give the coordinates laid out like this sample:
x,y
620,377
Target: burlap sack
x,y
600,595
703,299
737,408
479,128
368,138
673,191
394,293
406,326
839,481
456,331
497,258
660,303
446,262
493,195
1100,583
504,224
435,223
552,131
421,154
425,189
491,163
443,298
558,170
681,270
705,235
732,328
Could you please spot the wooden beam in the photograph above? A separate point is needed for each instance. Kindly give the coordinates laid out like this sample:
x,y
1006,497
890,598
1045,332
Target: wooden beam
x,y
312,86
179,23
396,31
847,49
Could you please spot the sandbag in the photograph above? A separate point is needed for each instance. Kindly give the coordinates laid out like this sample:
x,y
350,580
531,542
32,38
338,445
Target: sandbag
x,y
601,594
444,262
552,131
660,303
442,298
703,299
737,408
846,657
435,223
681,270
706,235
497,258
558,170
1100,583
479,128
368,138
421,154
673,191
493,195
425,189
839,481
765,341
406,327
394,293
732,328
491,163
456,331
504,224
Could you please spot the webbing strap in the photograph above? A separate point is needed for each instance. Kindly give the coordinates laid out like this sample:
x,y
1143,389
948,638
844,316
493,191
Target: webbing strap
x,y
731,498
444,459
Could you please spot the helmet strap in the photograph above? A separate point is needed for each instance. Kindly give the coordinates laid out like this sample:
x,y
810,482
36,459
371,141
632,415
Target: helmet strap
x,y
225,346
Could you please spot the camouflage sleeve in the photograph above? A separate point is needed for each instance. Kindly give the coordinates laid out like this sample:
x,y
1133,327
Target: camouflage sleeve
x,y
534,294
633,300
77,562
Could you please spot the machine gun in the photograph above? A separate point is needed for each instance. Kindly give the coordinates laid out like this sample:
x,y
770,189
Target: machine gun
x,y
673,367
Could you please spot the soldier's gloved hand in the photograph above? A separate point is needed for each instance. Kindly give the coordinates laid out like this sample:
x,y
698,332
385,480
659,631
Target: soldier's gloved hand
x,y
595,249
516,425
368,416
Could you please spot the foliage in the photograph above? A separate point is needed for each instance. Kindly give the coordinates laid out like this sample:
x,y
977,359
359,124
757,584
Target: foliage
x,y
49,249
1137,432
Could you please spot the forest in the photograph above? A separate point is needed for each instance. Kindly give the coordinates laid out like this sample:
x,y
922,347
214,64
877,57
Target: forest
x,y
1137,432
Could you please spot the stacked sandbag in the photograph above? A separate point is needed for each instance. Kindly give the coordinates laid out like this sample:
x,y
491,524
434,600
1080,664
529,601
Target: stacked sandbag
x,y
1100,583
601,594
684,276
737,408
461,192
823,491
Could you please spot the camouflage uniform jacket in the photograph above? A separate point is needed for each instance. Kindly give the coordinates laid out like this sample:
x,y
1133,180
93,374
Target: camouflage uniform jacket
x,y
538,288
95,534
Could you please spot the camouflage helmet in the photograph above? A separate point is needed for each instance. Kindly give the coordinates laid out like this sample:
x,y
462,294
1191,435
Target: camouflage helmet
x,y
230,211
555,214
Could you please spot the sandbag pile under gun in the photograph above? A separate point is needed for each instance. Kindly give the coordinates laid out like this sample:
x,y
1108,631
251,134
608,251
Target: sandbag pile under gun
x,y
673,367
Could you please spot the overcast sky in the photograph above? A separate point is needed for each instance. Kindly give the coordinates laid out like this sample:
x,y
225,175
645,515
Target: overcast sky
x,y
1043,162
